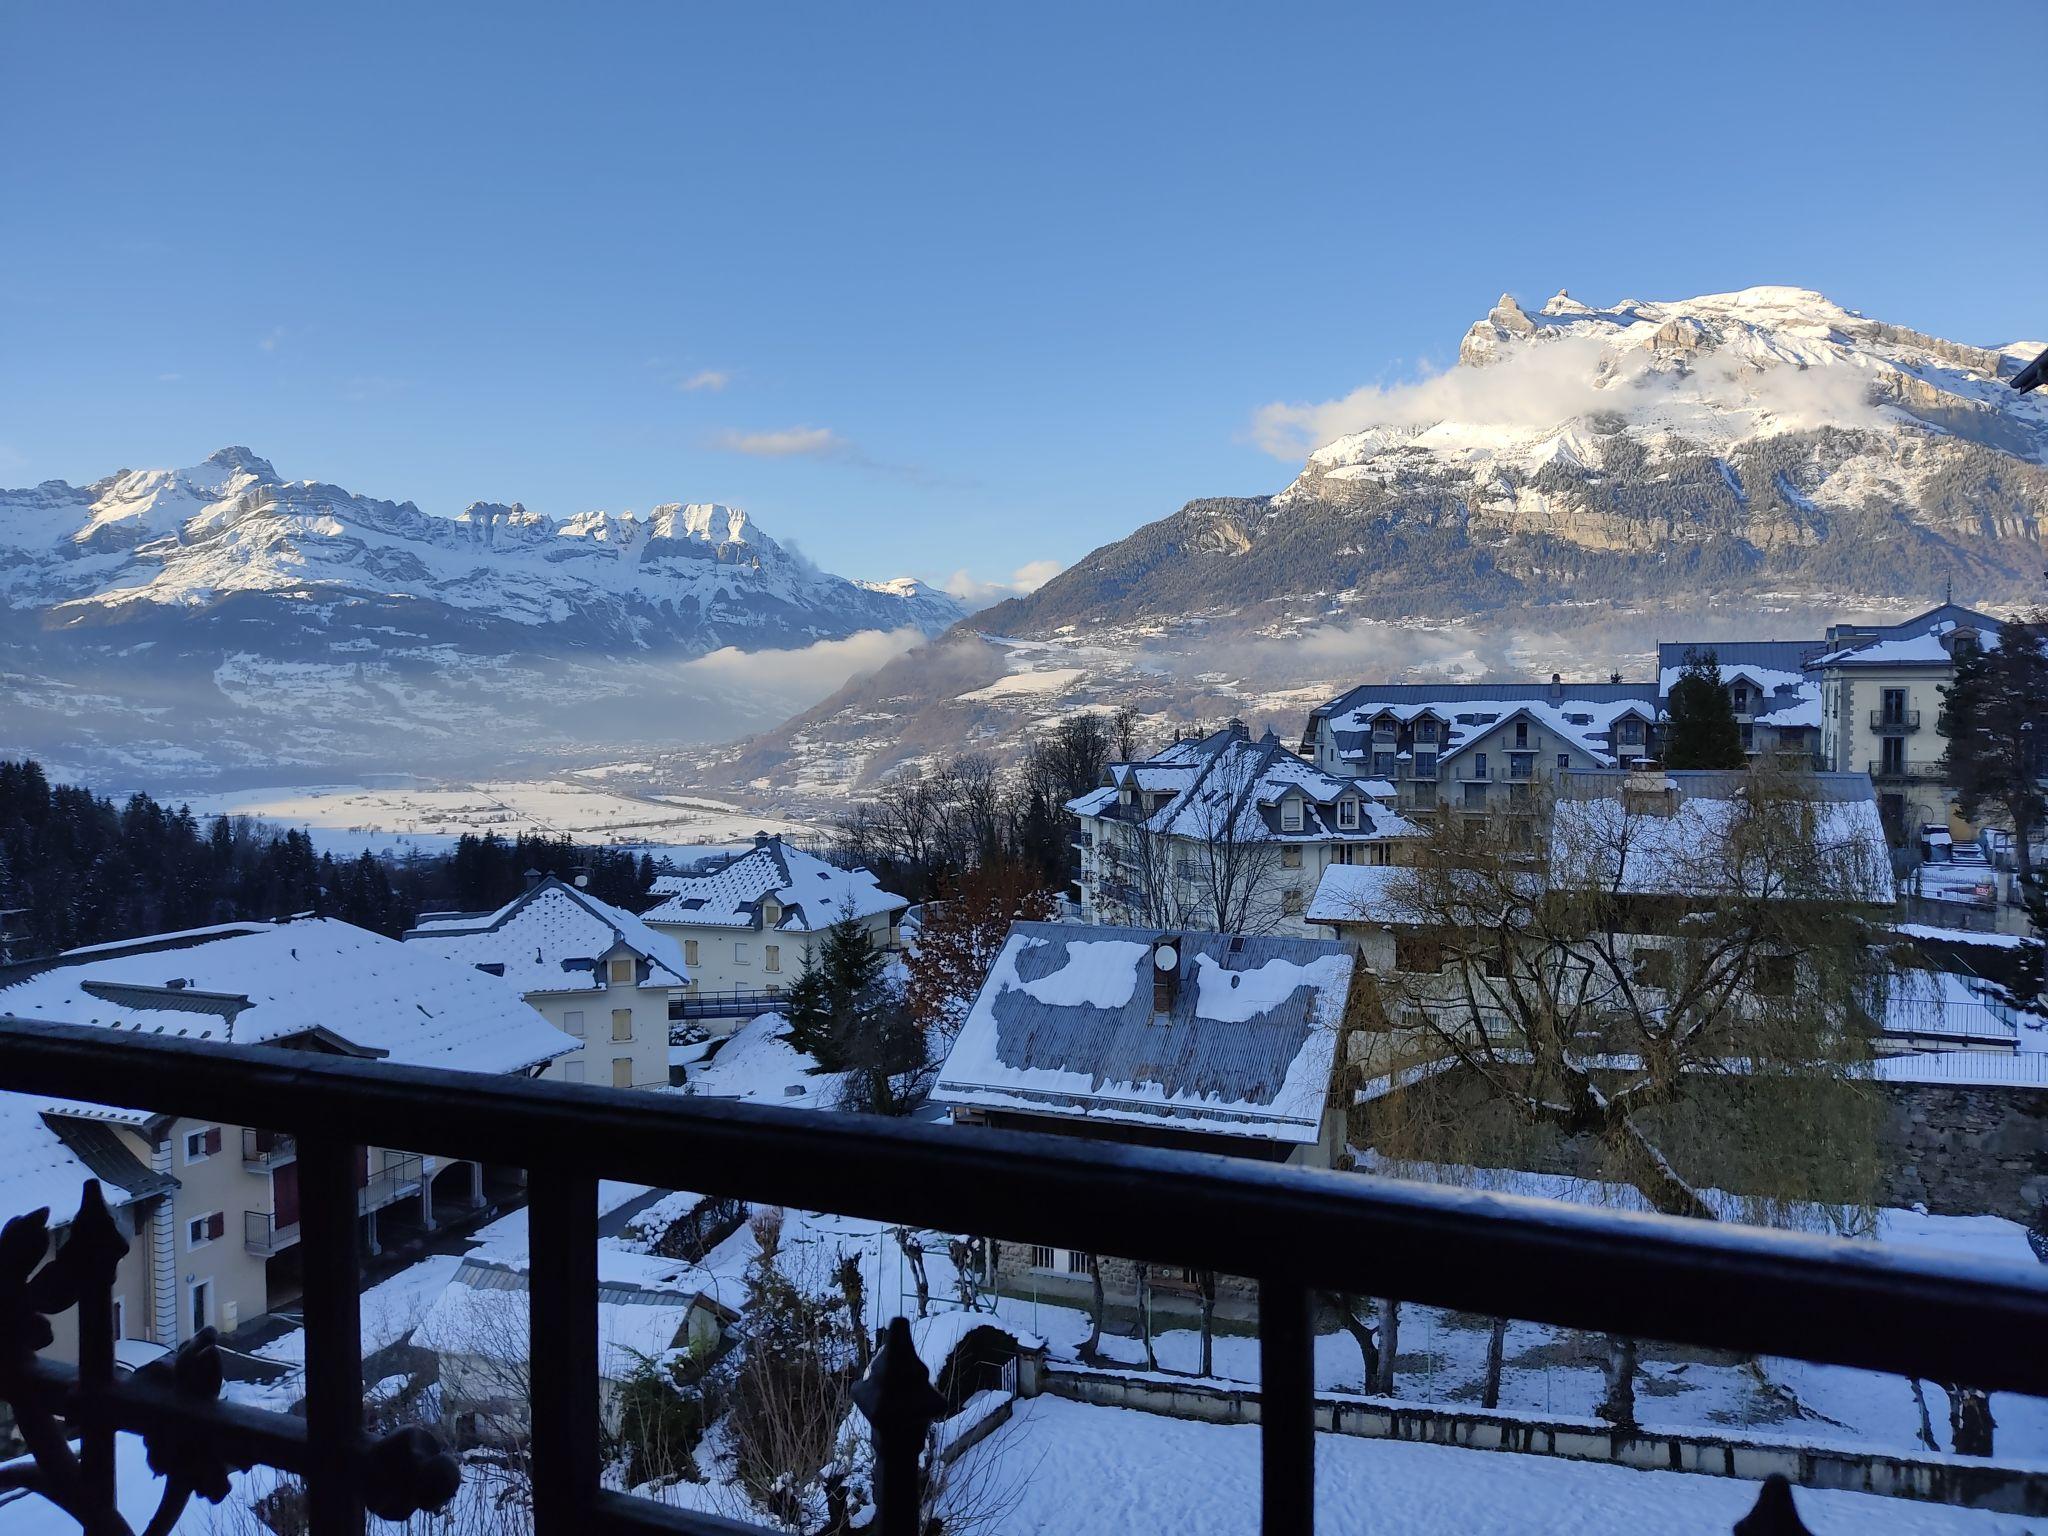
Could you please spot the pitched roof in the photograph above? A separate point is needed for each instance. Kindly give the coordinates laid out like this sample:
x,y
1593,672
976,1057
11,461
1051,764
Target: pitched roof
x,y
45,1160
1064,1027
1915,641
1226,784
813,894
289,980
1582,715
550,939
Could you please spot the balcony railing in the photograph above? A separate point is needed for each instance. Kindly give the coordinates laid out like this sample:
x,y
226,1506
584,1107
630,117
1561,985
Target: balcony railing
x,y
1884,772
266,1149
263,1235
1297,1231
1894,722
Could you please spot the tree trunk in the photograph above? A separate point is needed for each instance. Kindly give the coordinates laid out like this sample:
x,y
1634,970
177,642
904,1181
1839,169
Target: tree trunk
x,y
1388,1345
1361,1333
913,1250
1206,1283
1145,1315
1926,1424
1969,1421
1619,1406
1496,1346
1092,1350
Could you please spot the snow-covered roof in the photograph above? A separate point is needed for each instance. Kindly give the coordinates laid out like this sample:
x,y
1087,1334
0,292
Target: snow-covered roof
x,y
45,1160
1682,846
257,983
1227,785
484,1311
1582,718
813,894
1925,639
550,939
1064,1027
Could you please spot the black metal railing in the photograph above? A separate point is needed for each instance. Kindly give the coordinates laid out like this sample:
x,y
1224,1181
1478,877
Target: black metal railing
x,y
1894,722
1297,1231
732,1003
263,1234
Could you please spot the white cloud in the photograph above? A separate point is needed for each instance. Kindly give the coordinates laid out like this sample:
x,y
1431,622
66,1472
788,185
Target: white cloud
x,y
786,443
270,338
712,379
800,678
975,593
1542,385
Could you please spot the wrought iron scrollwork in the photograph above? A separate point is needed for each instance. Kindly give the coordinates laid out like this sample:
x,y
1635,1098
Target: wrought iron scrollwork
x,y
402,1474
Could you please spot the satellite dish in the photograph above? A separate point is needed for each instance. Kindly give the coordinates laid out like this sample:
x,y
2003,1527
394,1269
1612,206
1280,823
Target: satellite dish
x,y
1166,957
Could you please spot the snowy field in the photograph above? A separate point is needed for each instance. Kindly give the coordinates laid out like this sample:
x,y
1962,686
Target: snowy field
x,y
347,818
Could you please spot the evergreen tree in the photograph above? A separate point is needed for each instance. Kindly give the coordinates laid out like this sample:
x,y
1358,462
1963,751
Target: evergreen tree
x,y
1995,718
1700,731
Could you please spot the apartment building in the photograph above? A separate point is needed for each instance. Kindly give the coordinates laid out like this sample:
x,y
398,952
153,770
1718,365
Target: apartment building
x,y
594,971
746,926
1225,833
214,1209
1880,701
1776,700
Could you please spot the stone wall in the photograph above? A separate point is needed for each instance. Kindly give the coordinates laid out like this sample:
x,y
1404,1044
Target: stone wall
x,y
1966,1151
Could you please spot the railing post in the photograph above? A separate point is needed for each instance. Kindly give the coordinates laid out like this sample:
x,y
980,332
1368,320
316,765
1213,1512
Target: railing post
x,y
898,1400
561,1215
334,1336
1287,1384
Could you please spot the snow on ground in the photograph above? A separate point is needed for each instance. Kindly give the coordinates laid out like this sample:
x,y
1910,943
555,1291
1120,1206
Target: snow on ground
x,y
1075,1470
389,1309
347,818
1053,680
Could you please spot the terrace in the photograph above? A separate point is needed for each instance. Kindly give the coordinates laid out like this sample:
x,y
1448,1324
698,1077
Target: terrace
x,y
1298,1232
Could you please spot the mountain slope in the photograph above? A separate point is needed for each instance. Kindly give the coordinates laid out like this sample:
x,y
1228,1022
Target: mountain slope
x,y
178,616
1706,447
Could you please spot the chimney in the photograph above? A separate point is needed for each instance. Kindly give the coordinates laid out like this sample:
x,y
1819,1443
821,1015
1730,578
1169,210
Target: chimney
x,y
533,878
1165,974
1645,790
762,839
1556,686
1239,729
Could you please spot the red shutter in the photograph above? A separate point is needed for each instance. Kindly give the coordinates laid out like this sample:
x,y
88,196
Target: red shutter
x,y
217,1223
284,1194
212,1147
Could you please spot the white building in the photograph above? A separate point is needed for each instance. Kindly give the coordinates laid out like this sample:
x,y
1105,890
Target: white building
x,y
594,971
1776,700
1224,832
213,1208
1480,747
1880,695
746,926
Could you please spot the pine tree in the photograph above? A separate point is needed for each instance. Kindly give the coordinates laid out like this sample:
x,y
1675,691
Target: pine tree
x,y
1701,731
1995,718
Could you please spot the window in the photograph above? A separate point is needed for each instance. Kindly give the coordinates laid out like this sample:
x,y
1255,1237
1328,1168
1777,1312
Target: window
x,y
1894,706
1425,797
201,1230
200,1310
1347,814
622,1023
1564,760
1521,733
1425,765
1184,868
1891,758
1475,797
624,969
120,1318
1383,764
1632,733
739,952
771,957
1290,902
1478,765
202,1144
572,1071
1290,814
572,1022
1425,730
622,1071
1740,694
1775,975
1079,1263
771,914
1290,856
689,951
1042,1257
1417,952
1653,967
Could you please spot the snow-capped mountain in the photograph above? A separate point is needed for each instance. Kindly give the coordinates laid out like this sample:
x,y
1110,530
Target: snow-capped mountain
x,y
229,534
1583,483
221,617
1716,446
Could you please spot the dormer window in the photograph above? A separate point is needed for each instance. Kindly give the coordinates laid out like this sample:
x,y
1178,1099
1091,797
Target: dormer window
x,y
1290,814
1425,730
622,969
1347,814
1632,733
771,913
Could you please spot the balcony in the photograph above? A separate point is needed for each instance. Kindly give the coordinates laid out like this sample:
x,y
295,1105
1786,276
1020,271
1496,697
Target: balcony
x,y
1894,722
262,1150
1423,768
1710,1285
1883,772
263,1235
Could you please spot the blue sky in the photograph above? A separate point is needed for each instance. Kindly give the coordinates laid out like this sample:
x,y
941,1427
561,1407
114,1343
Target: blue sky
x,y
936,288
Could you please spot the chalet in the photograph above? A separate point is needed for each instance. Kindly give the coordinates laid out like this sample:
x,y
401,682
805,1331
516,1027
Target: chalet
x,y
593,970
745,927
1224,822
214,1209
1776,701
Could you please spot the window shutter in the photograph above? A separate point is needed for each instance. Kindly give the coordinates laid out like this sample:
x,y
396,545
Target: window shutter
x,y
217,1223
213,1146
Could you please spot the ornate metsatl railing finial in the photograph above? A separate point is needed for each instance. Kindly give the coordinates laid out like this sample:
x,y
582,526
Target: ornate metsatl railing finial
x,y
898,1400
